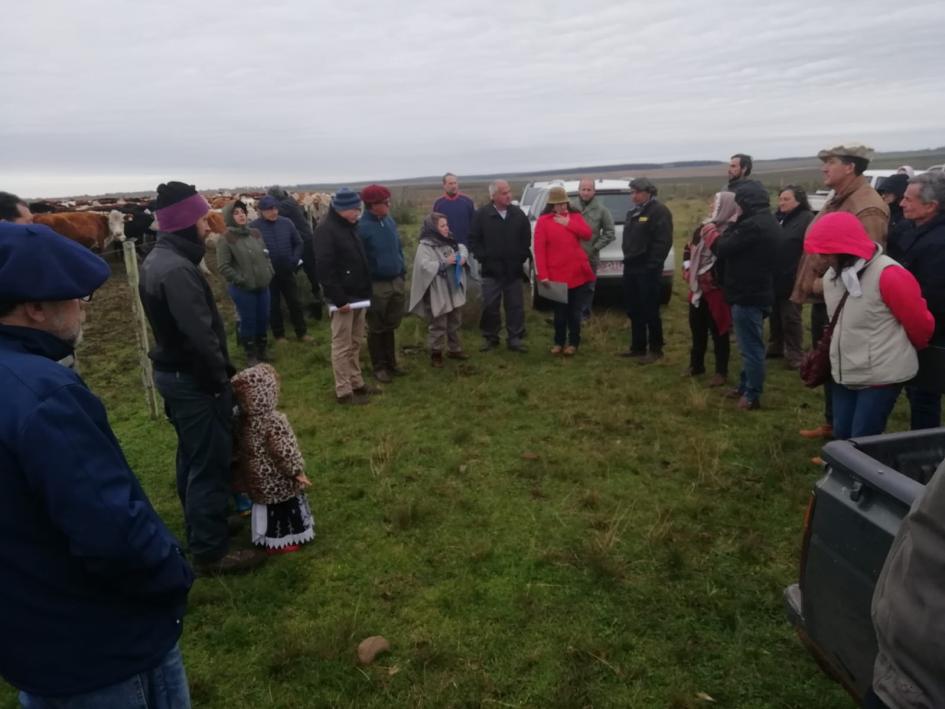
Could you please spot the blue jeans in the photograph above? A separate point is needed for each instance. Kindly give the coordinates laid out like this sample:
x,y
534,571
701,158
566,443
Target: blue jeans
x,y
253,309
163,687
862,412
749,324
925,408
204,448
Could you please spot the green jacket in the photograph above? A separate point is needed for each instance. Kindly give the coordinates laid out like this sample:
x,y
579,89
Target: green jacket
x,y
601,222
242,256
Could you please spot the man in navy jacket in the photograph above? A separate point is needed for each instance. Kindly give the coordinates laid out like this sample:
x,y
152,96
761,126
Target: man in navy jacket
x,y
285,251
95,586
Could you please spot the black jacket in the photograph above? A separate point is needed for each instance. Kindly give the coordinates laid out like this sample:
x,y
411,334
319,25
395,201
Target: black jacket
x,y
647,236
291,210
188,330
340,261
500,245
746,250
790,247
921,249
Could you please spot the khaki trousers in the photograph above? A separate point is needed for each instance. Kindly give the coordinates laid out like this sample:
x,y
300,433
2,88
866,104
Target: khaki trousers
x,y
347,334
445,327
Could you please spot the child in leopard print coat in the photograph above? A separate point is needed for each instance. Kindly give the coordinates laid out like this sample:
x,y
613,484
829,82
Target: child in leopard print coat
x,y
270,465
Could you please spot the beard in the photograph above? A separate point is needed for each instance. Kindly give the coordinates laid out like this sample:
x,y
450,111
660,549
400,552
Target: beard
x,y
70,333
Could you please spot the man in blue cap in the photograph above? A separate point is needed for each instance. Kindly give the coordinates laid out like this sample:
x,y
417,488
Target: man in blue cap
x,y
95,585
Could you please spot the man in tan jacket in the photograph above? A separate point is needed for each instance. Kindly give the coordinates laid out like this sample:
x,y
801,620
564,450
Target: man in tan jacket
x,y
843,173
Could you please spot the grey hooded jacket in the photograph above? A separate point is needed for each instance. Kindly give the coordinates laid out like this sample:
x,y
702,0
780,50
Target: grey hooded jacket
x,y
909,607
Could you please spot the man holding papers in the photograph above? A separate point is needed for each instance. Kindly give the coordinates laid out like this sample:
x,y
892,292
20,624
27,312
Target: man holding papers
x,y
563,269
346,281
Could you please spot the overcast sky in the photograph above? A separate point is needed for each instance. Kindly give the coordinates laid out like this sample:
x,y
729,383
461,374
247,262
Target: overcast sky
x,y
101,95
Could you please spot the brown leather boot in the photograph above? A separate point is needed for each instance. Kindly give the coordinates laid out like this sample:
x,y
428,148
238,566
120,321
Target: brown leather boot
x,y
436,359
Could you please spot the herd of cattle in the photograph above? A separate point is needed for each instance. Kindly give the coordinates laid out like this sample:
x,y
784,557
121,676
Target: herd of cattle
x,y
98,223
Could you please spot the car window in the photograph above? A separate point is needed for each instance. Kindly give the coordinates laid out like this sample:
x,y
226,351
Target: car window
x,y
618,203
528,196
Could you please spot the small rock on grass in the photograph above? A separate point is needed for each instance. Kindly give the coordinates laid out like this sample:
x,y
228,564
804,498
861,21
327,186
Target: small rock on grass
x,y
370,648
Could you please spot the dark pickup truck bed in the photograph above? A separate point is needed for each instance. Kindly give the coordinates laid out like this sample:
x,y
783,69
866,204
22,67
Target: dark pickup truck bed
x,y
854,512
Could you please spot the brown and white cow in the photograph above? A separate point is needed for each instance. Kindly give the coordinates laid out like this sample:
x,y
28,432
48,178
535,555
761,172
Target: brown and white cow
x,y
91,229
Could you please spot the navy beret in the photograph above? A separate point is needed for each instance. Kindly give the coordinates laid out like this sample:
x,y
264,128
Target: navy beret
x,y
37,264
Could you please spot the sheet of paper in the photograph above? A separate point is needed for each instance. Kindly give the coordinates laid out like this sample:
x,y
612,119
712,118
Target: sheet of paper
x,y
553,291
356,305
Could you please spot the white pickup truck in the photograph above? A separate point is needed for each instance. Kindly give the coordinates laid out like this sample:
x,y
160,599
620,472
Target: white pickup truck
x,y
615,194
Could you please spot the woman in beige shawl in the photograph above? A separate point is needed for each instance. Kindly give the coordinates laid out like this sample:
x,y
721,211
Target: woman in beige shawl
x,y
438,287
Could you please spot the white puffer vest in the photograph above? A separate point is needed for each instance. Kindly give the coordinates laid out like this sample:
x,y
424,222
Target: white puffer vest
x,y
869,346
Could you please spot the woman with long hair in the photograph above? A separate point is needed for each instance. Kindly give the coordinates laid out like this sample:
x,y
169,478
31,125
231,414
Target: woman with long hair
x,y
708,311
787,332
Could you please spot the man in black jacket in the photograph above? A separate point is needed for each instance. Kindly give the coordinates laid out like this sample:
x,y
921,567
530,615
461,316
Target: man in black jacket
x,y
746,260
500,238
346,279
291,210
921,249
647,239
192,372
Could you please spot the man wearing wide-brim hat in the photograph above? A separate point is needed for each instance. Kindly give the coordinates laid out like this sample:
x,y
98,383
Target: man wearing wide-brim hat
x,y
843,167
95,586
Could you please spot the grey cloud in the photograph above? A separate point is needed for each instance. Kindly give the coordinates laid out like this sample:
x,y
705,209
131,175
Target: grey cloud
x,y
108,95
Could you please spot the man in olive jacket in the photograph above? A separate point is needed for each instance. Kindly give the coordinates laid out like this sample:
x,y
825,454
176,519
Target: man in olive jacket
x,y
647,239
500,238
603,232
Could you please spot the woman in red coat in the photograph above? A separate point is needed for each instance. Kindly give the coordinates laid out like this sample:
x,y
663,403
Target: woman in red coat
x,y
559,258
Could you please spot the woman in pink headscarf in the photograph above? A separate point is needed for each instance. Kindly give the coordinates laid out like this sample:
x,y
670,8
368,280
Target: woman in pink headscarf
x,y
883,319
708,311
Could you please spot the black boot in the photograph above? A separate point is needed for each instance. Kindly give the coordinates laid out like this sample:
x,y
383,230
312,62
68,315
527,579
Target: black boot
x,y
262,344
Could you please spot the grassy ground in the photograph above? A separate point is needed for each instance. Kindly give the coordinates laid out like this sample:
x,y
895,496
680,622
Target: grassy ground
x,y
525,531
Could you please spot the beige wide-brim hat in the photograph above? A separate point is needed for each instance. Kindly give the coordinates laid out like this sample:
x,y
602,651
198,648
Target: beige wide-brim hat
x,y
557,195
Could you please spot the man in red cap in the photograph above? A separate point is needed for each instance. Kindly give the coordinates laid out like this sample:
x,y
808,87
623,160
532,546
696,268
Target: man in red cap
x,y
385,255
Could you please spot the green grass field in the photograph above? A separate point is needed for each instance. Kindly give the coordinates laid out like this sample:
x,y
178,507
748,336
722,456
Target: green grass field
x,y
525,531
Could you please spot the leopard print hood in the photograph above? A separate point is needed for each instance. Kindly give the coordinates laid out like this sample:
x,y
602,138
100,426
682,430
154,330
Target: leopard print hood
x,y
257,389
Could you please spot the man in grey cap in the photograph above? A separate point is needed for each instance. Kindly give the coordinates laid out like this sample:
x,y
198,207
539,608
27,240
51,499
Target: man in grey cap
x,y
647,239
843,167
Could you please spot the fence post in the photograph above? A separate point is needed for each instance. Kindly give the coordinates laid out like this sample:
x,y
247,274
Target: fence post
x,y
141,326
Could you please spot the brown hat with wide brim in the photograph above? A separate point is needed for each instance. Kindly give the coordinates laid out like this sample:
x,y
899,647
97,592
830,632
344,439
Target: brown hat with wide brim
x,y
557,195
